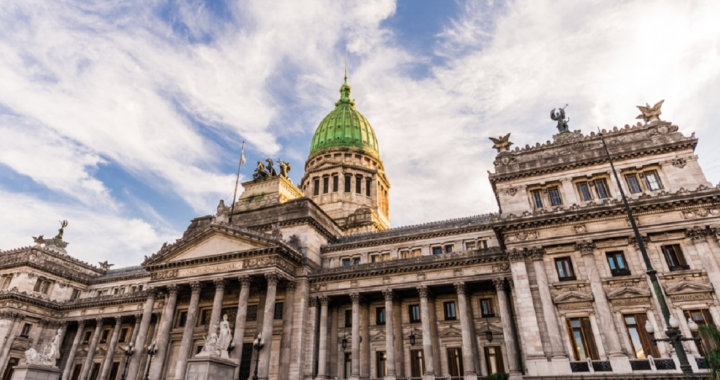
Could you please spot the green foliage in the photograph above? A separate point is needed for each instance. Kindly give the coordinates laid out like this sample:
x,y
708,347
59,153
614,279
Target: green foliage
x,y
712,359
497,376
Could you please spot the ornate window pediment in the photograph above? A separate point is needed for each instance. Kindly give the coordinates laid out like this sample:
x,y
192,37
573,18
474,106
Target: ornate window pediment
x,y
687,286
450,331
379,336
628,292
572,296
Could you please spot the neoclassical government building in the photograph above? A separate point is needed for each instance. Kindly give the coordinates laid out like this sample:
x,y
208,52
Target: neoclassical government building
x,y
552,285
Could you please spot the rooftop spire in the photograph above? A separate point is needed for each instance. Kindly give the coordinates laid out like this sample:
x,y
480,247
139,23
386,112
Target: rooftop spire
x,y
346,67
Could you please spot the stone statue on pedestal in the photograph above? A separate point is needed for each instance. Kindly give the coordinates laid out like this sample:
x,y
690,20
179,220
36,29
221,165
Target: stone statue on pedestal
x,y
49,353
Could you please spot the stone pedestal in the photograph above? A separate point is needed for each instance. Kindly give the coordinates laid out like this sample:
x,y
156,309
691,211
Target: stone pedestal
x,y
620,364
210,369
35,372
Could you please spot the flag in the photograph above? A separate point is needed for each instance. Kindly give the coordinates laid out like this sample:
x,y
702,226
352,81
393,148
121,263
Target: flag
x,y
242,157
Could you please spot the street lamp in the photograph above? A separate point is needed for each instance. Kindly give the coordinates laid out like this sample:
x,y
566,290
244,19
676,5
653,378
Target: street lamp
x,y
129,351
344,341
412,338
257,345
489,335
674,336
151,351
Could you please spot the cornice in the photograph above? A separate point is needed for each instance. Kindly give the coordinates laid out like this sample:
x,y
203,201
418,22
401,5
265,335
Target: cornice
x,y
108,300
296,258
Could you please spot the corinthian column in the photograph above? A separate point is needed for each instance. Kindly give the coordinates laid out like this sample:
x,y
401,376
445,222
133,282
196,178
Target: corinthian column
x,y
427,334
467,338
240,319
91,351
322,350
217,303
187,338
267,327
163,335
548,306
12,334
134,366
508,330
699,238
288,310
73,350
107,363
355,349
389,335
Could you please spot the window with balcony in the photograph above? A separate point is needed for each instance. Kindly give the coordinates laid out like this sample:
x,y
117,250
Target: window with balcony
x,y
356,261
346,262
565,269
470,245
581,339
449,311
618,265
640,340
25,332
554,195
437,250
449,248
585,191
652,180
602,188
703,318
674,257
537,198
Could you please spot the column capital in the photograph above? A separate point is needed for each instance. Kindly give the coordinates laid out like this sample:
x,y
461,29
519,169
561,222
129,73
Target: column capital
x,y
536,253
388,294
515,255
324,300
697,234
98,320
138,317
290,286
173,289
423,291
195,287
118,320
152,292
460,287
499,284
272,278
355,297
244,280
81,323
313,302
586,247
219,283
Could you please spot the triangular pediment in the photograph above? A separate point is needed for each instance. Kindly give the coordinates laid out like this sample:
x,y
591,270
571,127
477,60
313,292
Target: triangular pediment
x,y
379,336
451,331
572,296
686,286
628,292
216,240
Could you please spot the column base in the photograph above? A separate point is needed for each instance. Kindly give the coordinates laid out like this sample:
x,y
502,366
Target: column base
x,y
389,378
472,376
620,364
515,375
427,376
561,365
541,366
34,371
209,369
354,377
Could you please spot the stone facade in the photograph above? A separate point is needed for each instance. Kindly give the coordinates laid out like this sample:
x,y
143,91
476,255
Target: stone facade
x,y
551,286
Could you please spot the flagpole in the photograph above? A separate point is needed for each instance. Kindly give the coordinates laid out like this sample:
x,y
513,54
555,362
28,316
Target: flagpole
x,y
237,180
674,336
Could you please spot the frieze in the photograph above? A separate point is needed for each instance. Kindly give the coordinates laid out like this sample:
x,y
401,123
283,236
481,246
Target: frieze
x,y
218,268
574,306
705,296
630,301
165,275
701,212
521,236
501,267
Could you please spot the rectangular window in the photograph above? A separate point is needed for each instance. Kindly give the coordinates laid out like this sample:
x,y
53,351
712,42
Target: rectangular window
x,y
356,261
358,185
483,243
278,313
417,364
348,364
385,257
182,319
554,194
374,258
449,311
639,338
674,257
348,183
75,295
602,188
565,269
252,311
348,318
493,358
455,362
6,281
405,254
116,291
414,312
486,308
316,186
537,198
584,190
437,250
86,338
380,316
652,180
416,252
469,246
368,186
380,364
104,336
633,183
26,330
448,249
205,316
326,183
336,183
581,339
618,266
123,335
346,262
702,318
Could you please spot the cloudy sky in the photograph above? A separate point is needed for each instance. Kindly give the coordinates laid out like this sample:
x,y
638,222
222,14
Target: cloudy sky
x,y
126,117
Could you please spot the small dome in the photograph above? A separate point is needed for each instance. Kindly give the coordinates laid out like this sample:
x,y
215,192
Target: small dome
x,y
345,127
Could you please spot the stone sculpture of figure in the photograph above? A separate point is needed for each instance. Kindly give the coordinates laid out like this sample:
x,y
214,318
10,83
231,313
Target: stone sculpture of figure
x,y
562,121
270,169
210,349
61,231
649,114
222,213
260,172
49,355
284,168
224,338
501,144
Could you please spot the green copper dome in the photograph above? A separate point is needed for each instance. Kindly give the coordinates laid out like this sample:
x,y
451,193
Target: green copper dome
x,y
345,127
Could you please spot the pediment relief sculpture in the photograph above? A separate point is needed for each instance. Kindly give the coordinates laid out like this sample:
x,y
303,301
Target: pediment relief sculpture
x,y
450,331
628,291
489,327
380,336
688,286
572,296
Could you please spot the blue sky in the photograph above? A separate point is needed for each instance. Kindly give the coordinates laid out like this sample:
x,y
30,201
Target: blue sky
x,y
126,118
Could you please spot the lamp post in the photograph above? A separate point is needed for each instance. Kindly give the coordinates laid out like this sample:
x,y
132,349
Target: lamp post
x,y
151,351
344,341
674,336
257,345
129,351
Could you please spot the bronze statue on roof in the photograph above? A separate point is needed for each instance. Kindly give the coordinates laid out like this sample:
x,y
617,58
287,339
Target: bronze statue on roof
x,y
562,121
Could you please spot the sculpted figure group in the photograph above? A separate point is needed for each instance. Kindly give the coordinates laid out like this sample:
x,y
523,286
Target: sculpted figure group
x,y
216,345
263,171
49,353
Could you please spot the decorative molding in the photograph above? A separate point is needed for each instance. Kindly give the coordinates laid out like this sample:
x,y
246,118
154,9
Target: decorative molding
x,y
586,248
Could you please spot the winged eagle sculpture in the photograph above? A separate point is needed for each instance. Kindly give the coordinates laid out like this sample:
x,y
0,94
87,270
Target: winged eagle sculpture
x,y
105,265
502,144
649,114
